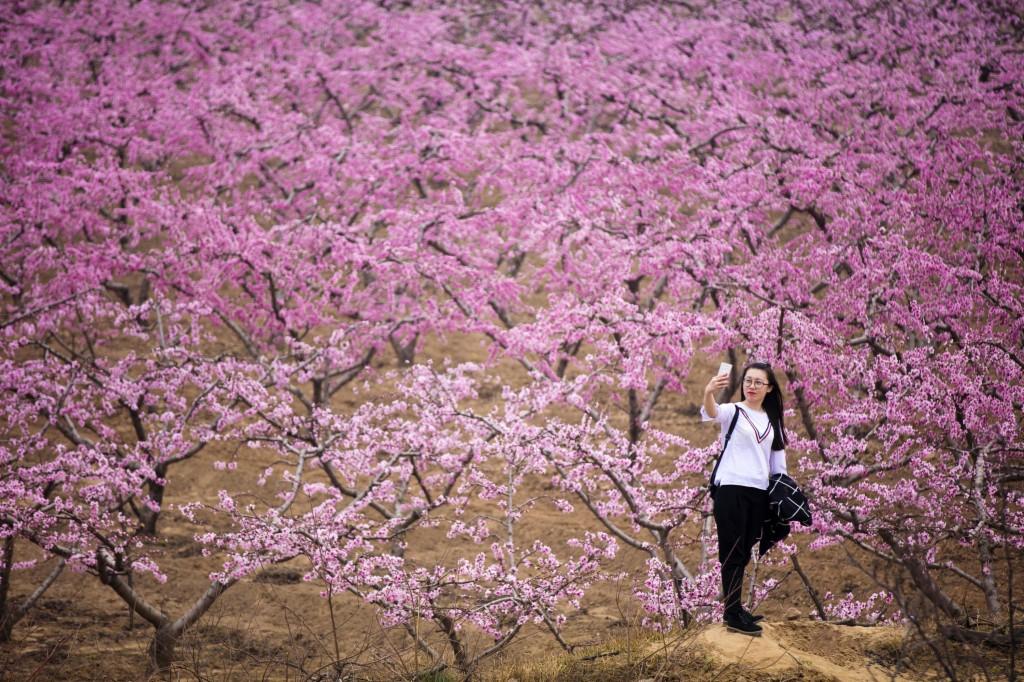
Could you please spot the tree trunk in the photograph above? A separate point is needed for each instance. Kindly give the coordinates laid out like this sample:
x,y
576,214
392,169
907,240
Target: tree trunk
x,y
6,624
11,614
149,517
161,649
405,352
6,612
925,582
448,627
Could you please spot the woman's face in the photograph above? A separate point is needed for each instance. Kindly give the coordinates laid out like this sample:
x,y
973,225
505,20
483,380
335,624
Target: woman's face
x,y
755,384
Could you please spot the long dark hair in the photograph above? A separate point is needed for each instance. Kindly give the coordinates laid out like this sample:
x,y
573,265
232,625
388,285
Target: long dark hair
x,y
772,403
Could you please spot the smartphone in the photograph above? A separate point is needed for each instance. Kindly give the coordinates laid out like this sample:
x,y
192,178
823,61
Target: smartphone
x,y
724,368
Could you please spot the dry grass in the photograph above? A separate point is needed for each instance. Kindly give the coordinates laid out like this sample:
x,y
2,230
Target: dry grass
x,y
633,655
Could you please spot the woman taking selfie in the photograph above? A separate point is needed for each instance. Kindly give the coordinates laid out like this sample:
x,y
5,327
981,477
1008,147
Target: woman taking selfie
x,y
754,451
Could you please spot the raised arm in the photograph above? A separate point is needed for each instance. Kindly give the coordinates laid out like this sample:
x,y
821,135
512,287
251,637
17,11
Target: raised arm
x,y
716,385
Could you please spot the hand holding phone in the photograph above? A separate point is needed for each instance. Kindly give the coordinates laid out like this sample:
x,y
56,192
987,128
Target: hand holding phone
x,y
720,381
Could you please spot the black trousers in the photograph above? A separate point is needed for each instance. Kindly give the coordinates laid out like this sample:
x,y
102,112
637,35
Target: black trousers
x,y
739,514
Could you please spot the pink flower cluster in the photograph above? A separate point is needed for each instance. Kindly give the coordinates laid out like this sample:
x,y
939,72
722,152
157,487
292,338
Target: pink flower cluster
x,y
877,608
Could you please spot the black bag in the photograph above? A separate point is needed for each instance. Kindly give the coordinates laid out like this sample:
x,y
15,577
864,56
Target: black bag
x,y
786,503
712,488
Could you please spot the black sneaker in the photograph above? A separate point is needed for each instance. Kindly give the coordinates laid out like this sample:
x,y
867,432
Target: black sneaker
x,y
737,623
752,617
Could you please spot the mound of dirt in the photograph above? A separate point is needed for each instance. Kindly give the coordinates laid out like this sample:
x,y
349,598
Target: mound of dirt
x,y
844,653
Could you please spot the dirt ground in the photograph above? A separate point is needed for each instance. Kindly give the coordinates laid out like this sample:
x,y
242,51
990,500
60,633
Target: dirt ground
x,y
842,653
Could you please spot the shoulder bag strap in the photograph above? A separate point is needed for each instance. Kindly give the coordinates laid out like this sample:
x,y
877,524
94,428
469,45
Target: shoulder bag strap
x,y
728,435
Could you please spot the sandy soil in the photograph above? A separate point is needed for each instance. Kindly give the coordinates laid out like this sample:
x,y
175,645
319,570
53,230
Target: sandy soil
x,y
841,653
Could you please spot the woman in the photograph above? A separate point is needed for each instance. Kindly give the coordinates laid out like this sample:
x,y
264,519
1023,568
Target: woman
x,y
755,450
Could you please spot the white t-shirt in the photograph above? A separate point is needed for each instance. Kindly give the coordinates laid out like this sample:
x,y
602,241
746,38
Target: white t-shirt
x,y
749,459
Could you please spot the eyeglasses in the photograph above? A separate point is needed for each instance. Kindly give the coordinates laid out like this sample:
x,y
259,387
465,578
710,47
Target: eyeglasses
x,y
755,383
